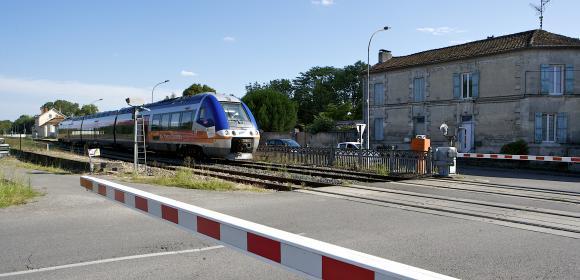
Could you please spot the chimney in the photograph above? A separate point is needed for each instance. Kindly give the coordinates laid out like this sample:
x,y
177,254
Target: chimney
x,y
384,55
43,110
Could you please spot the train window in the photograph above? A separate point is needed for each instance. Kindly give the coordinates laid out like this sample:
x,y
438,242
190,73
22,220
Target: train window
x,y
165,121
186,120
175,120
235,111
206,116
156,123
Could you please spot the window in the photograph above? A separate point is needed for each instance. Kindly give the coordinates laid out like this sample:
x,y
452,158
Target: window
x,y
206,115
378,129
165,121
553,79
548,128
419,127
419,89
156,123
551,127
235,112
466,83
186,120
175,120
379,94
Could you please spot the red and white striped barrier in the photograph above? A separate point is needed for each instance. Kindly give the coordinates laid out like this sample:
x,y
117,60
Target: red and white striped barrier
x,y
520,157
304,256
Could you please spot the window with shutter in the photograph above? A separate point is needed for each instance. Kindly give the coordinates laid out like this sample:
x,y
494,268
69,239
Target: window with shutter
x,y
379,94
569,83
562,128
418,89
378,129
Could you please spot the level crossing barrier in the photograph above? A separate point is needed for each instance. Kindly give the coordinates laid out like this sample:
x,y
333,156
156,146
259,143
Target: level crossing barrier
x,y
302,255
520,157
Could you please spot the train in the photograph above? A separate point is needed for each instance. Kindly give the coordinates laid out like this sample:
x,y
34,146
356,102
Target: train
x,y
203,125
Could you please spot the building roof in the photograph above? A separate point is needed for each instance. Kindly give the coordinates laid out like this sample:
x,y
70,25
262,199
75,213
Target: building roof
x,y
490,46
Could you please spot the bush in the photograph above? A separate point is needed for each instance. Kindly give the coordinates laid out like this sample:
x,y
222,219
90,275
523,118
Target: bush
x,y
519,147
321,123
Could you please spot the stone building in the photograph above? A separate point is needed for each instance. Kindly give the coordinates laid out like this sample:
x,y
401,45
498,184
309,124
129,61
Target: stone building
x,y
489,92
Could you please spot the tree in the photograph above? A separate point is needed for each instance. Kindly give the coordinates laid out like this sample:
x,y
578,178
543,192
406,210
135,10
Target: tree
x,y
88,109
283,86
70,109
321,123
23,122
273,110
65,107
5,126
197,89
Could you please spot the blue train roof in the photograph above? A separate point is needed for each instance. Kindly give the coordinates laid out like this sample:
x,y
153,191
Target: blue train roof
x,y
184,100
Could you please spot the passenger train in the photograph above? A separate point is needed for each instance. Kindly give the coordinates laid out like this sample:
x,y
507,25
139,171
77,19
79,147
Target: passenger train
x,y
206,124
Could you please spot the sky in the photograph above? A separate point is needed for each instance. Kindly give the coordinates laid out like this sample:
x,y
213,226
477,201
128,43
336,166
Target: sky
x,y
82,51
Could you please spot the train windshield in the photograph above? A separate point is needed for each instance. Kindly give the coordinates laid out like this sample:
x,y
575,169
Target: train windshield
x,y
235,112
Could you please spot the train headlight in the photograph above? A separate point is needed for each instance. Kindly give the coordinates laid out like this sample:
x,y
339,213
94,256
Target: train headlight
x,y
234,132
226,132
251,133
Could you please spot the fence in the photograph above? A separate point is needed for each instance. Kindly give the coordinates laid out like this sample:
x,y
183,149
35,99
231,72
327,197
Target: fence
x,y
392,162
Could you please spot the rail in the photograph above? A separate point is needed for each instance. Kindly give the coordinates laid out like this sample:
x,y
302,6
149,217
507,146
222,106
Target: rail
x,y
392,162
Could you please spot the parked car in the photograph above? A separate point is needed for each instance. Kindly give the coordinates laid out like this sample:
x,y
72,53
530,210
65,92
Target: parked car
x,y
282,143
349,145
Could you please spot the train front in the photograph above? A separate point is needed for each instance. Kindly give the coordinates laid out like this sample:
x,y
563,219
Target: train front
x,y
239,129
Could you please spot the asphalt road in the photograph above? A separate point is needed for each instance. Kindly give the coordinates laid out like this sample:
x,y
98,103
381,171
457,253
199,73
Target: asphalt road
x,y
75,234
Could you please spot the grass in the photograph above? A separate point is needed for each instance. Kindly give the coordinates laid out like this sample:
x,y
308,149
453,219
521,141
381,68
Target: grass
x,y
187,180
15,192
15,163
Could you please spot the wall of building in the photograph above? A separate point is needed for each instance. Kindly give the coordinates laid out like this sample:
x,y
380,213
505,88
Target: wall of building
x,y
503,112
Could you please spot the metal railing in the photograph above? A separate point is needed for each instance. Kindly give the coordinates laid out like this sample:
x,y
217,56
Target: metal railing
x,y
388,162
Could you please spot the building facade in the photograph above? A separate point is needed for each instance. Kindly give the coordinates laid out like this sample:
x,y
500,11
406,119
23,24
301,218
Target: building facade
x,y
489,92
45,124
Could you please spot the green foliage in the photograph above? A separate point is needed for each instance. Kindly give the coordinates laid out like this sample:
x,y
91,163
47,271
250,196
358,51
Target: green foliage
x,y
197,89
339,112
186,179
88,109
71,109
321,123
283,86
5,126
273,110
519,147
14,192
22,123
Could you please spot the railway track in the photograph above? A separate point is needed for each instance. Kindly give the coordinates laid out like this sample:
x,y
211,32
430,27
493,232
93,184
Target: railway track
x,y
331,182
555,222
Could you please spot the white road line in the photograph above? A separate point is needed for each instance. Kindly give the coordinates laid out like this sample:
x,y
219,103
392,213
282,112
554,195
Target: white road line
x,y
109,261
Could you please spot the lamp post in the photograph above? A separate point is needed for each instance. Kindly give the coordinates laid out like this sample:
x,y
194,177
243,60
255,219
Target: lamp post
x,y
153,89
368,116
95,101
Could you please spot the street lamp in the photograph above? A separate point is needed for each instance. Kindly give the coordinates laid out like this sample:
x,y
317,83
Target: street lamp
x,y
100,99
153,89
368,116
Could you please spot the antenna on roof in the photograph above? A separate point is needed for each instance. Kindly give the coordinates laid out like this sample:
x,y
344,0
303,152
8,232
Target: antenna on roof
x,y
540,9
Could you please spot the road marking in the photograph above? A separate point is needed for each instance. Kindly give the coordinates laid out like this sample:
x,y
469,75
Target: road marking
x,y
109,261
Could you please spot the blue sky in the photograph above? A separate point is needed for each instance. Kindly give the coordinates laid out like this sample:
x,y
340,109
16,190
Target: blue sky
x,y
84,50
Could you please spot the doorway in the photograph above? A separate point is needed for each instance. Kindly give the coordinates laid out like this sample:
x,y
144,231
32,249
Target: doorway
x,y
466,135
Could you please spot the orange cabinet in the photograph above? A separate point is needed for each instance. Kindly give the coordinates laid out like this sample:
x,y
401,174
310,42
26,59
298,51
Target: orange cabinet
x,y
420,145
